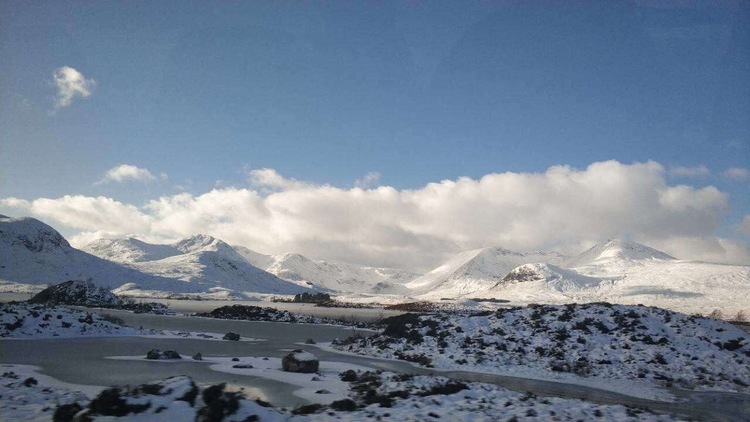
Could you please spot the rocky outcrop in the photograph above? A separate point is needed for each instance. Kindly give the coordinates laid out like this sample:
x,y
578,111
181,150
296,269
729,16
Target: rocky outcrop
x,y
76,292
300,361
232,336
157,354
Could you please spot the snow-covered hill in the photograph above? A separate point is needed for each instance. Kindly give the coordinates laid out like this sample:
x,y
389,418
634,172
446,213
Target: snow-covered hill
x,y
204,257
643,345
76,292
474,271
629,273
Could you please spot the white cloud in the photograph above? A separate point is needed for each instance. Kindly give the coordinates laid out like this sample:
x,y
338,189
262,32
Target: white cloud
x,y
86,213
368,180
270,180
71,84
689,172
417,229
125,172
737,174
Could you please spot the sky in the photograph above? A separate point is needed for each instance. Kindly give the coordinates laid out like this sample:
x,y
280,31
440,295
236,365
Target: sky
x,y
381,133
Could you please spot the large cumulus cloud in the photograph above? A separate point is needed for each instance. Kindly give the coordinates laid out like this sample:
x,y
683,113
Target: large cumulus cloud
x,y
417,229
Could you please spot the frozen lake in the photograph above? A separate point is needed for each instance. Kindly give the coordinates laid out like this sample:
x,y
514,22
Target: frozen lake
x,y
84,361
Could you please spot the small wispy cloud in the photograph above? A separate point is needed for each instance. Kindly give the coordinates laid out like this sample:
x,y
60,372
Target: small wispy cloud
x,y
368,180
127,172
71,84
737,174
270,180
689,172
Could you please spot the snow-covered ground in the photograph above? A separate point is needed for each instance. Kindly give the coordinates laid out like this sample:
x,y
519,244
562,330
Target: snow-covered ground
x,y
323,387
422,398
29,321
40,321
591,341
28,396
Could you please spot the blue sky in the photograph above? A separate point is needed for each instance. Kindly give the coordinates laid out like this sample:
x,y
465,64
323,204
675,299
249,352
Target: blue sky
x,y
327,92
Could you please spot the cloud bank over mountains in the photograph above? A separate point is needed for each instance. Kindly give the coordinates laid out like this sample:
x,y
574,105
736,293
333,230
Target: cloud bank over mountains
x,y
417,229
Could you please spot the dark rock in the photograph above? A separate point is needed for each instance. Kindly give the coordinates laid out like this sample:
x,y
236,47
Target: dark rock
x,y
345,405
235,359
197,356
231,336
299,361
348,376
170,354
243,366
219,404
155,354
310,341
66,412
322,391
308,409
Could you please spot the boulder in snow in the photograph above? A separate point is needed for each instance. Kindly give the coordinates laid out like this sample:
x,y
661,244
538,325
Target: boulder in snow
x,y
300,361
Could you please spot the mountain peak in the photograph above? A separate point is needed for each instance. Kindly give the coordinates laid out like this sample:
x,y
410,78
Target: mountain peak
x,y
620,250
33,234
197,242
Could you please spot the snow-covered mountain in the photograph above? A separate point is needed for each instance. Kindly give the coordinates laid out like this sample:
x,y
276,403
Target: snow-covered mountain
x,y
618,252
207,260
475,271
33,253
623,272
336,277
204,257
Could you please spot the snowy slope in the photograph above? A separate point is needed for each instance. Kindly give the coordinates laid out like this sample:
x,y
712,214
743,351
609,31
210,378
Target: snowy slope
x,y
129,250
33,253
337,277
627,273
474,271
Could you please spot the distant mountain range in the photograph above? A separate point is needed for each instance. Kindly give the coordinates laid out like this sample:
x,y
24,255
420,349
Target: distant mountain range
x,y
33,253
202,257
